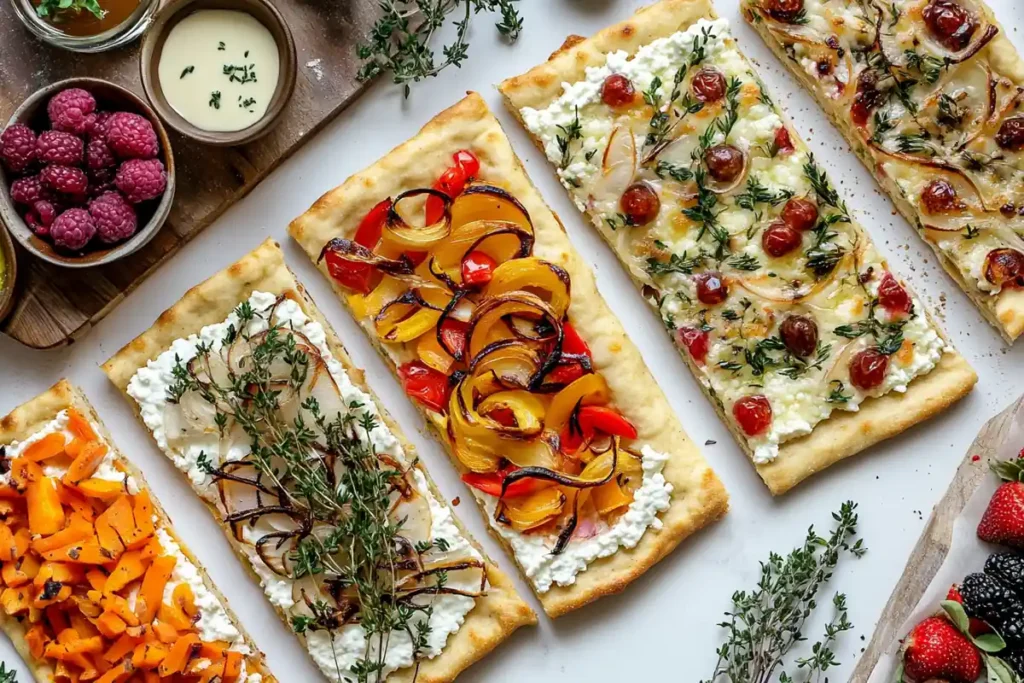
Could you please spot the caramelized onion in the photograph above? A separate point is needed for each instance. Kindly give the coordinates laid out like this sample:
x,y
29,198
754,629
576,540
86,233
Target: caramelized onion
x,y
357,253
400,233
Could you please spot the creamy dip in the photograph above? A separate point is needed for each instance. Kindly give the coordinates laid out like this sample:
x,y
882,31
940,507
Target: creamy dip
x,y
219,69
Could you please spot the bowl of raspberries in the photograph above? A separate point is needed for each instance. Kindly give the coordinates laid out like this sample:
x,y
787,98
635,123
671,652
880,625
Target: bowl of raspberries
x,y
86,173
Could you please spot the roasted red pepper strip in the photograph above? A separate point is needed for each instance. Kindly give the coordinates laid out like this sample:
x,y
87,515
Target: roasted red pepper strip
x,y
565,374
469,163
452,182
453,336
490,483
573,344
359,276
426,385
593,419
477,269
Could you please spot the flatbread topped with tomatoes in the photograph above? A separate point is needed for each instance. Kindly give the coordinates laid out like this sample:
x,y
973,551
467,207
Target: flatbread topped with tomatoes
x,y
930,94
250,394
97,585
806,342
466,282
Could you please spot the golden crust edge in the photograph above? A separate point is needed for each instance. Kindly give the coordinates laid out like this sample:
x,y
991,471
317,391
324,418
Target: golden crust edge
x,y
1005,311
796,461
709,500
36,412
494,617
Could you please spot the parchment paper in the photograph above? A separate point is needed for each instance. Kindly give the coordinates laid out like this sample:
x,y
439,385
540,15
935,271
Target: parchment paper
x,y
967,552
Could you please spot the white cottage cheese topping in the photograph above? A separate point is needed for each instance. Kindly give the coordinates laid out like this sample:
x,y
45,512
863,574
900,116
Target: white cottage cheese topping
x,y
149,388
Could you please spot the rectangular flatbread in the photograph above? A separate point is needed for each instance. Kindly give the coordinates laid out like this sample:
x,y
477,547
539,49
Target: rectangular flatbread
x,y
808,346
930,96
87,544
494,325
248,391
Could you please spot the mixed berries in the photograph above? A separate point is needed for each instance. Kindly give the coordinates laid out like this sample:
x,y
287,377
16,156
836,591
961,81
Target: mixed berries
x,y
82,182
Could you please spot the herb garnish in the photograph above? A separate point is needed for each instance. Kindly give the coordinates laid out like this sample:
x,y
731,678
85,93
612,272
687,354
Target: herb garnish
x,y
676,264
186,71
765,624
619,220
6,676
400,39
48,8
569,134
888,336
757,193
245,73
246,103
824,254
316,465
221,46
838,392
970,232
676,172
703,213
745,262
214,99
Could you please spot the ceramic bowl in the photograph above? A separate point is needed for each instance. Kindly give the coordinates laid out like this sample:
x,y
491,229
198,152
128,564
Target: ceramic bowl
x,y
110,97
152,47
9,278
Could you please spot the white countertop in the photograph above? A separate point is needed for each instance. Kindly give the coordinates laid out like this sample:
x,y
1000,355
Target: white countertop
x,y
663,626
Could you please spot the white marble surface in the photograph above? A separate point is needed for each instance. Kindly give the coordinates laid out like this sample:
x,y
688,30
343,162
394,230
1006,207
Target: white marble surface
x,y
663,626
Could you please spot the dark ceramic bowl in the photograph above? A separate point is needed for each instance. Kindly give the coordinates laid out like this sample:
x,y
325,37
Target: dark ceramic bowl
x,y
9,278
153,45
152,215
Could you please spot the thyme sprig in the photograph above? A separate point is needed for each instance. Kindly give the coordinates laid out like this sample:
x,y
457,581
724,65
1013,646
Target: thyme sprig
x,y
318,466
399,41
7,676
888,336
669,114
765,624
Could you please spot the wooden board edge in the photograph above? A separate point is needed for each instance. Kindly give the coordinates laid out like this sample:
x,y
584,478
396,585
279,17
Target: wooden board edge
x,y
933,545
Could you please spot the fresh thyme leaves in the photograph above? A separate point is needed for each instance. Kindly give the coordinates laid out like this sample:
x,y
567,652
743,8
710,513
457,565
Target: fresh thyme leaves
x,y
7,676
50,8
745,262
970,232
883,124
757,193
929,67
838,394
950,114
915,143
764,624
214,99
676,264
703,213
568,134
186,71
823,188
771,354
666,169
680,103
619,220
311,460
244,73
221,47
399,41
732,107
824,254
888,336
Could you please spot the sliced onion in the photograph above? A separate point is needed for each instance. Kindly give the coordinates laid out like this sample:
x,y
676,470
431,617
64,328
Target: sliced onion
x,y
531,274
400,233
492,310
357,253
511,363
534,510
978,41
501,240
618,166
413,512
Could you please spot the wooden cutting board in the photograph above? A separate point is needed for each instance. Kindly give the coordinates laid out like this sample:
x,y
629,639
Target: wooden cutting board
x,y
57,305
934,543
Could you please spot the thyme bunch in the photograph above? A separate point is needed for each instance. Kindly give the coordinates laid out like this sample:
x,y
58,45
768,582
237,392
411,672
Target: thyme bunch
x,y
320,468
765,624
399,41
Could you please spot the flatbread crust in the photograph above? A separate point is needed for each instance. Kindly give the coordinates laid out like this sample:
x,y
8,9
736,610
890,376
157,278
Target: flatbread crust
x,y
844,433
1005,311
496,615
698,497
32,416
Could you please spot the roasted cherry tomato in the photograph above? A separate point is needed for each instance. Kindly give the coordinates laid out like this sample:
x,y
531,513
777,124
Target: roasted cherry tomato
x,y
753,414
359,276
711,288
783,143
800,335
708,84
696,342
477,269
940,197
640,203
950,22
1011,134
426,385
800,214
780,238
892,296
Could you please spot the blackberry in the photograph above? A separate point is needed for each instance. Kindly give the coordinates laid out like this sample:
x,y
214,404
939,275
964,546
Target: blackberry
x,y
985,597
1015,660
1009,569
1009,623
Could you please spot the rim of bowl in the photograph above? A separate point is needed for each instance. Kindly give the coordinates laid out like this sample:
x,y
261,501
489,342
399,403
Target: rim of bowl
x,y
36,245
10,281
152,46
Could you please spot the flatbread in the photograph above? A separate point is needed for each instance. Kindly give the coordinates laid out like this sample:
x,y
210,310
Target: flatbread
x,y
844,433
698,497
496,615
1005,310
34,415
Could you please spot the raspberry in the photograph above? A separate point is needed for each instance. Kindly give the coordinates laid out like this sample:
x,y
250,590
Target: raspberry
x,y
27,190
98,155
141,179
114,217
56,147
99,125
131,136
65,180
41,216
73,229
72,110
101,181
18,147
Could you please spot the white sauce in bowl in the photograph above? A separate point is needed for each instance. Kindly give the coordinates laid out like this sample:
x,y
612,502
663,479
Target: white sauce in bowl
x,y
219,69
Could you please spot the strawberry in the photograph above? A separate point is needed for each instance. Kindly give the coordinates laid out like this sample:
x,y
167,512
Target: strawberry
x,y
935,649
977,627
1003,521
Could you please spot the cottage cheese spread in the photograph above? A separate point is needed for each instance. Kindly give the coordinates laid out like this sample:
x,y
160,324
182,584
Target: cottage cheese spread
x,y
335,656
757,282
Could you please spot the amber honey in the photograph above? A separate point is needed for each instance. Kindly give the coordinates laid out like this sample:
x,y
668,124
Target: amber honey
x,y
81,22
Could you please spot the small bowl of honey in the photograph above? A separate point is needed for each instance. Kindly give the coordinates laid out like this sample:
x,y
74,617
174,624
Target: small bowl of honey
x,y
86,25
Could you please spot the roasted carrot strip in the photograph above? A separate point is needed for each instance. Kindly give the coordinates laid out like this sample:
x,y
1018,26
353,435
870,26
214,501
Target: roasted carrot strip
x,y
232,665
185,600
77,529
8,551
121,648
19,572
148,655
151,594
142,528
45,448
22,540
8,492
97,578
79,646
79,426
82,626
129,568
24,472
120,607
106,533
36,640
57,618
164,632
214,672
74,447
213,650
121,672
110,625
86,463
121,518
152,550
180,654
58,571
85,552
45,513
102,489
52,593
15,600
71,498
